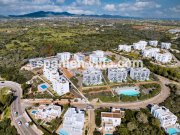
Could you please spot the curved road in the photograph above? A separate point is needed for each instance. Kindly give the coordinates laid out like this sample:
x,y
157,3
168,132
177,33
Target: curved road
x,y
23,130
165,92
16,107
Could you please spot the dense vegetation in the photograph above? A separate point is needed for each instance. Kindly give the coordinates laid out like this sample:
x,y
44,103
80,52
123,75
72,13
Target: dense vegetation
x,y
6,98
171,73
139,123
24,39
136,122
6,128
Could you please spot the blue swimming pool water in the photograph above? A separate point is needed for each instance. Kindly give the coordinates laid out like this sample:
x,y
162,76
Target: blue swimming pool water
x,y
63,132
44,86
129,92
34,111
172,131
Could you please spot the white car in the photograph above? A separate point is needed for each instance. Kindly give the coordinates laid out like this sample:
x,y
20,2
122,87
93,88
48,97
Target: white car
x,y
19,123
27,124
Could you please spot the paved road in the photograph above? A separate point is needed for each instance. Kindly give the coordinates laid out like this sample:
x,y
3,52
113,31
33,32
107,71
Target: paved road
x,y
165,92
91,121
16,107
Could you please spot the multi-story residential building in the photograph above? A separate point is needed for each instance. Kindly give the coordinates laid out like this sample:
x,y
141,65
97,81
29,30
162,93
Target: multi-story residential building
x,y
47,112
139,74
92,76
150,52
65,56
36,62
163,57
99,53
110,120
165,45
79,57
153,43
126,48
73,122
141,45
165,117
59,83
117,74
98,57
51,62
50,73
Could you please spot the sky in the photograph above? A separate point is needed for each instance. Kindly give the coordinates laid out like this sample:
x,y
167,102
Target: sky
x,y
132,8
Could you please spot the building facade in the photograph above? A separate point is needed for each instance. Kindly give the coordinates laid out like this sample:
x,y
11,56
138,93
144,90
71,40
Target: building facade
x,y
79,57
126,48
73,122
117,74
164,58
110,120
149,53
65,56
36,62
141,45
47,112
139,74
165,45
59,83
165,117
92,76
153,43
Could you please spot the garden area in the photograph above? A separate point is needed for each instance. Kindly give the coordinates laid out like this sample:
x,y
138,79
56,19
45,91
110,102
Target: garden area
x,y
48,127
146,91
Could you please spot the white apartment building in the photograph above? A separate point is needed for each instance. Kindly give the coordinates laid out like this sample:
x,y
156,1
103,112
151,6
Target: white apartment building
x,y
139,74
149,53
141,45
50,73
92,76
165,45
153,43
117,74
73,122
97,57
36,62
164,58
51,62
165,117
99,53
111,119
65,56
47,112
79,57
59,83
126,48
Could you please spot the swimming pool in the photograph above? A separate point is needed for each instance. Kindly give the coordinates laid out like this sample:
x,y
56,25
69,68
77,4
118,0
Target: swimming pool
x,y
128,92
42,87
34,111
172,131
63,132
